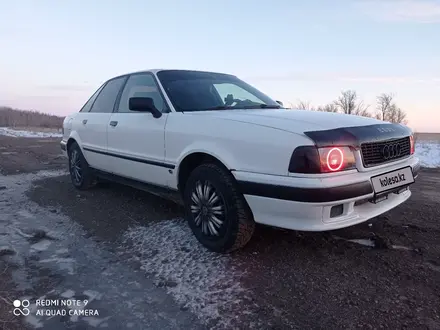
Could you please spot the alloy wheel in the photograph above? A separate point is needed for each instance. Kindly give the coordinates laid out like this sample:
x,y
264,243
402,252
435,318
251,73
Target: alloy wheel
x,y
75,166
208,209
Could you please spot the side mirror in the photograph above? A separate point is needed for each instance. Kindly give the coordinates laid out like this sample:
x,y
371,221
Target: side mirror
x,y
143,104
280,103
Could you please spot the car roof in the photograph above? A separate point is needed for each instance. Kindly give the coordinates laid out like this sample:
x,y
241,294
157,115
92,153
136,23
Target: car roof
x,y
155,71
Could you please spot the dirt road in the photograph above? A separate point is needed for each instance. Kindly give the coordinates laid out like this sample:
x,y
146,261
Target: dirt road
x,y
133,256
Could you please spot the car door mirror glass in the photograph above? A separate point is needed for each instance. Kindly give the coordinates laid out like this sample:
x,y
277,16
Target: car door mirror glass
x,y
143,104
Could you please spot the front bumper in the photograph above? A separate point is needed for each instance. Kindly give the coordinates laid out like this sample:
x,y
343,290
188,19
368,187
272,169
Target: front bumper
x,y
305,202
63,145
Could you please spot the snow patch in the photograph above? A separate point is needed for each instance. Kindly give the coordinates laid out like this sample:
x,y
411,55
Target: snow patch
x,y
360,241
42,245
63,264
429,153
204,282
7,131
401,247
68,294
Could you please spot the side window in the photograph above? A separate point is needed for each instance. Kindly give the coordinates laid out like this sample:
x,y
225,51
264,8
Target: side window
x,y
141,85
106,99
86,107
237,92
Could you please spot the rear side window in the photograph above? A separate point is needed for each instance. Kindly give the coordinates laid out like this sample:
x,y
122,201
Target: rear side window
x,y
106,99
89,103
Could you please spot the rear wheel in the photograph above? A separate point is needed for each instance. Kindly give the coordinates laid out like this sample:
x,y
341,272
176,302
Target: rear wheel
x,y
81,174
216,211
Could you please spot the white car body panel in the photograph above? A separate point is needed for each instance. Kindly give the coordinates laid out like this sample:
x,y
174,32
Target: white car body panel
x,y
289,120
228,141
92,134
140,136
255,145
316,216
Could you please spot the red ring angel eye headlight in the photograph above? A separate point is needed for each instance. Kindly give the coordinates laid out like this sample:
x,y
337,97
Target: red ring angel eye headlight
x,y
335,159
310,159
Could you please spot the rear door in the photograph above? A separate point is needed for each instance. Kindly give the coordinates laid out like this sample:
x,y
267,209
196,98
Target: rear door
x,y
136,139
92,125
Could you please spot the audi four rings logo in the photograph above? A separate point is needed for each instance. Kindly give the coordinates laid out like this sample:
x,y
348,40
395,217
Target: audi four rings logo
x,y
391,151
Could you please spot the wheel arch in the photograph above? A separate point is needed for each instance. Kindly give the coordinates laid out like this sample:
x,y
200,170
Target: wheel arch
x,y
193,159
74,137
70,141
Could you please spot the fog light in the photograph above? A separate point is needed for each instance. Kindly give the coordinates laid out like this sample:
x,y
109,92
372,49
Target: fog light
x,y
336,210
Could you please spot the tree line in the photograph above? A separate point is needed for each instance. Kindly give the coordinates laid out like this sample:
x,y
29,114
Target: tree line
x,y
10,117
349,103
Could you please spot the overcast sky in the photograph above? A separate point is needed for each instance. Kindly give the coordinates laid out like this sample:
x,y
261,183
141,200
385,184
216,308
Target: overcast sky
x,y
54,54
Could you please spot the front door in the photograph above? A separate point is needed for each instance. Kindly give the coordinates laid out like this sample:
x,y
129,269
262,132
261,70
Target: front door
x,y
136,139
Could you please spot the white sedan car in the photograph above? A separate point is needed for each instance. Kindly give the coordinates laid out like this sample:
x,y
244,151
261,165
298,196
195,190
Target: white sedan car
x,y
235,157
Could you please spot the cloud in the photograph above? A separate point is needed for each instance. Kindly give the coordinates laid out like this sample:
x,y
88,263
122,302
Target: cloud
x,y
418,11
305,76
68,88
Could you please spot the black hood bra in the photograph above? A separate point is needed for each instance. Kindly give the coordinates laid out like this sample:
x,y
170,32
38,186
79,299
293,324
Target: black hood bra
x,y
355,136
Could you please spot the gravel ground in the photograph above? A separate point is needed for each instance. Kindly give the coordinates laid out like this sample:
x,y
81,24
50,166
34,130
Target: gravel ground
x,y
23,155
389,278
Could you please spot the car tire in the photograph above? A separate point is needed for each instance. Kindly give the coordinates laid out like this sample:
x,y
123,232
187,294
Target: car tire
x,y
81,174
216,211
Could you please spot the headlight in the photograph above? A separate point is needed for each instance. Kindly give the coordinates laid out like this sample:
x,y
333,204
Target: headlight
x,y
310,159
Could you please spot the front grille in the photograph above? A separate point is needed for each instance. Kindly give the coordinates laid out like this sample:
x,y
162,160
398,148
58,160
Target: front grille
x,y
376,153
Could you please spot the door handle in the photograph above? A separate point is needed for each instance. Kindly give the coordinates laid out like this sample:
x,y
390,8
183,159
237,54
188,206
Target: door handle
x,y
113,123
84,121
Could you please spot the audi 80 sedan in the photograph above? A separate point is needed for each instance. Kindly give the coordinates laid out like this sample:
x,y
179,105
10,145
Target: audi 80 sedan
x,y
235,157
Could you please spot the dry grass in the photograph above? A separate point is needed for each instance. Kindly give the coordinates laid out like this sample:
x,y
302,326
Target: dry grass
x,y
25,119
427,137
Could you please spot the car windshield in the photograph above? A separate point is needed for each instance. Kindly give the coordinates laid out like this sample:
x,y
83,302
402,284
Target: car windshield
x,y
204,91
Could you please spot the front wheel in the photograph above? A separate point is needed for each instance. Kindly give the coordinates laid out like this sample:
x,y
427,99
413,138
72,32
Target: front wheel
x,y
216,211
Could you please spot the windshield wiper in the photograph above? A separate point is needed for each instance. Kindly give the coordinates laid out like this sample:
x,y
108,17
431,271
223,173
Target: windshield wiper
x,y
255,106
261,106
220,107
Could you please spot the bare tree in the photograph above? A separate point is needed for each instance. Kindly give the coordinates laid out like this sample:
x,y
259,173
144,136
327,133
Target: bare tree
x,y
303,105
348,103
20,118
331,107
397,115
361,109
388,110
384,104
306,105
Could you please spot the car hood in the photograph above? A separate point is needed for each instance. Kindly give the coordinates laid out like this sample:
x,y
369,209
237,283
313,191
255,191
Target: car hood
x,y
295,121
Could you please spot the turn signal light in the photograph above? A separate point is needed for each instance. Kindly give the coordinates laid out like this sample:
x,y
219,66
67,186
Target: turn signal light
x,y
309,159
412,144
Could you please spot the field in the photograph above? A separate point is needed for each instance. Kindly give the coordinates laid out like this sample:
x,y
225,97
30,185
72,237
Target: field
x,y
133,257
423,137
